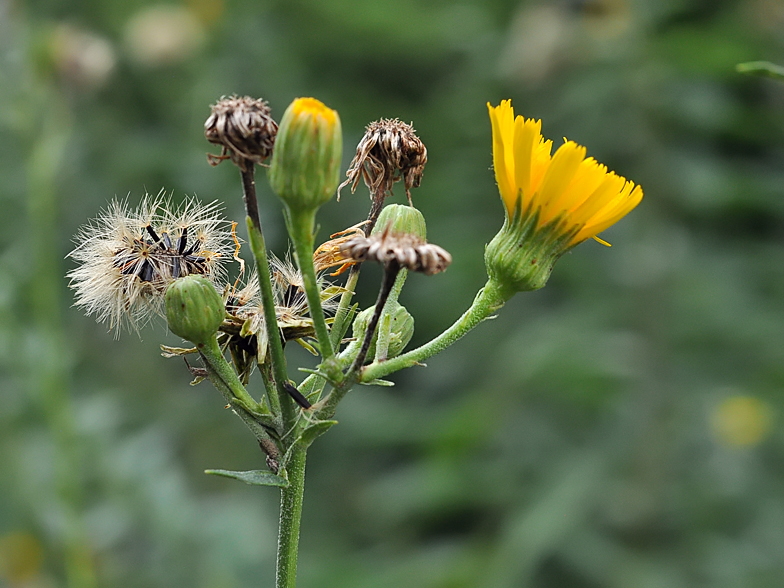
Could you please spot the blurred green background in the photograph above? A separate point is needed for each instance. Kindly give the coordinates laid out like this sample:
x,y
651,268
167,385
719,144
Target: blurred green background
x,y
619,428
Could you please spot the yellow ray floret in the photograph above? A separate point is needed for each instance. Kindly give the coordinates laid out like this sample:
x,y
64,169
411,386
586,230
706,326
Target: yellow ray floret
x,y
568,186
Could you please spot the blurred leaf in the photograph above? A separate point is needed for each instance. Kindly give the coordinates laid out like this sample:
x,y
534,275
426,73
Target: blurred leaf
x,y
761,68
252,477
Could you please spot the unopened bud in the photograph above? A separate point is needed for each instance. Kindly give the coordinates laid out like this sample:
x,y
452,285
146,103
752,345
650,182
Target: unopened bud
x,y
399,218
401,329
305,166
194,309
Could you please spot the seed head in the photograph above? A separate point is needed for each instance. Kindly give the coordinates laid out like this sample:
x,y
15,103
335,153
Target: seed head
x,y
243,128
404,249
127,258
389,151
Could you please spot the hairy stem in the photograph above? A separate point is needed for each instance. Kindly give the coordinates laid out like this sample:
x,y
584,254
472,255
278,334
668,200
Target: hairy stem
x,y
213,358
279,401
301,225
487,301
290,517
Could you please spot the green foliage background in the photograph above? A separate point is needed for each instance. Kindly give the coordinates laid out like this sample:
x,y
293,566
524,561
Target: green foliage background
x,y
587,438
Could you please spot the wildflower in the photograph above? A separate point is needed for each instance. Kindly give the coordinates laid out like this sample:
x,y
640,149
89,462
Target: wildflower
x,y
553,202
127,258
243,128
291,305
305,166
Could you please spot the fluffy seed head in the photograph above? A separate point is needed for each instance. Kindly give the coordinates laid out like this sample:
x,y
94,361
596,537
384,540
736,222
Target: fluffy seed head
x,y
127,257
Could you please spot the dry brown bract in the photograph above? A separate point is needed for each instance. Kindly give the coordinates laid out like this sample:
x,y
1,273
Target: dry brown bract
x,y
389,151
243,128
406,250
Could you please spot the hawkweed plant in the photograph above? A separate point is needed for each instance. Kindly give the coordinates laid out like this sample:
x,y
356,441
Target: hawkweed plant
x,y
134,264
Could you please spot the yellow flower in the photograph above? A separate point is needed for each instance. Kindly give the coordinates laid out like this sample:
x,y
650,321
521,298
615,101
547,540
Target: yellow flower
x,y
553,202
579,194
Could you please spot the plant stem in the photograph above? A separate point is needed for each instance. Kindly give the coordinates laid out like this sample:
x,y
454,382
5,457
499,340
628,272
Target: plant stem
x,y
280,403
301,225
262,436
343,314
390,274
212,355
487,301
290,517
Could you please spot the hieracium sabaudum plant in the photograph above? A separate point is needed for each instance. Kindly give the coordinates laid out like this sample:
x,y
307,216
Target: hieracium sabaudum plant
x,y
157,259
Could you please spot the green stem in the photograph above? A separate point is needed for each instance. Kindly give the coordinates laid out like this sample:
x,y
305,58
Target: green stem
x,y
390,274
262,435
278,399
487,301
342,314
290,517
301,226
215,361
385,326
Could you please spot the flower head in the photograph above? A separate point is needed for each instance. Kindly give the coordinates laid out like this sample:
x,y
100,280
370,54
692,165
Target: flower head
x,y
243,128
566,187
553,202
127,258
389,151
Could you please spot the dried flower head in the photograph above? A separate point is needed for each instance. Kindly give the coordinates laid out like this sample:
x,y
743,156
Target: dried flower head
x,y
291,304
404,249
127,257
328,254
243,128
389,151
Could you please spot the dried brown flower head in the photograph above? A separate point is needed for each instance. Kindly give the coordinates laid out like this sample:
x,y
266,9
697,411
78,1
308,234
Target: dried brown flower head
x,y
389,151
406,250
243,128
329,253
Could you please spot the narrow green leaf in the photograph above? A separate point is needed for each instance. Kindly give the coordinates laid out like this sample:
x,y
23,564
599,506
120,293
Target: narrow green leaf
x,y
378,382
315,430
761,68
252,477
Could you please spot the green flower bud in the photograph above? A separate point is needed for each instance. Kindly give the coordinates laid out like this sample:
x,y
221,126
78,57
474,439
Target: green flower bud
x,y
194,309
305,168
400,332
401,219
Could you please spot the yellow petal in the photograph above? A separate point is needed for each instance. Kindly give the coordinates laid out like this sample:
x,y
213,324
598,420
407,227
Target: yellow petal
x,y
527,135
558,176
498,117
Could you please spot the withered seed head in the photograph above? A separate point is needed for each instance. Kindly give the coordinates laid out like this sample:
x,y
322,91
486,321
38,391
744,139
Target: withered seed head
x,y
243,128
406,250
389,151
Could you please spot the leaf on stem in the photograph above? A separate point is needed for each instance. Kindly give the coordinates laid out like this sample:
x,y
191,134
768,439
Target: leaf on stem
x,y
252,477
